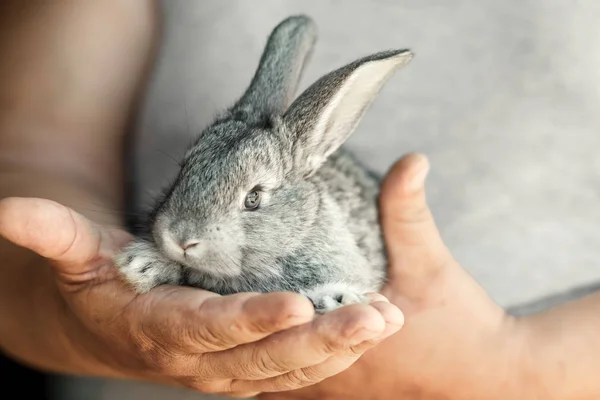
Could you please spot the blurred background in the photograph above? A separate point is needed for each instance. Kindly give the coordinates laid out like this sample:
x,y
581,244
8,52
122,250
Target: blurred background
x,y
503,97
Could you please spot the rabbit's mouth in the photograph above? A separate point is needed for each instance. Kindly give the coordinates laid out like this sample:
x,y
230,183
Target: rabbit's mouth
x,y
206,248
217,265
206,257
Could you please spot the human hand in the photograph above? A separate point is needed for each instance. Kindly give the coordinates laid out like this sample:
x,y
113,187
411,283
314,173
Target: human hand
x,y
237,345
456,342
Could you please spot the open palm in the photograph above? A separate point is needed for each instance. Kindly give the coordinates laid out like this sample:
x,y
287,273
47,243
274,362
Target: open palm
x,y
238,345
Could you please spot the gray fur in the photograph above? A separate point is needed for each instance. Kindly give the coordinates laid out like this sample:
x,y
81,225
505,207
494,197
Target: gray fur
x,y
317,230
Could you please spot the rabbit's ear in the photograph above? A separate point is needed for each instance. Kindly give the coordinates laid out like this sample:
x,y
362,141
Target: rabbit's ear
x,y
325,115
276,79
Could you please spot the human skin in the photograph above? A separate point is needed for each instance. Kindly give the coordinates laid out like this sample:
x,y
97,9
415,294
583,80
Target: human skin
x,y
457,344
66,145
71,73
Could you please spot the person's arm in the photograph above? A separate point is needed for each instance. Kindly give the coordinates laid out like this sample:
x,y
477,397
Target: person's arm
x,y
70,73
563,349
457,344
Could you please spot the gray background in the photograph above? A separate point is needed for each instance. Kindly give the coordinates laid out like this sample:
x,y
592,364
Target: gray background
x,y
502,96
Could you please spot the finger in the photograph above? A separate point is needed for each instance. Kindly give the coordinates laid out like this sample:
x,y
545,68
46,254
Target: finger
x,y
193,321
413,242
393,317
374,297
56,232
303,377
241,395
300,347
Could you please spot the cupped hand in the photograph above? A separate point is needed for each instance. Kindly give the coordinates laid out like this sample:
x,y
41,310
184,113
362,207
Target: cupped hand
x,y
456,342
238,345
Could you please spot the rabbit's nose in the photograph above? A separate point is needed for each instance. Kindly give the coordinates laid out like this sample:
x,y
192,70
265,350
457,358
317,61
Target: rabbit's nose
x,y
188,244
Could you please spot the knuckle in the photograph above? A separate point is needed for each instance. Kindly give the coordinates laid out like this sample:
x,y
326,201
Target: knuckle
x,y
241,326
335,339
64,247
299,378
209,338
251,323
357,351
282,311
154,355
313,375
265,363
333,345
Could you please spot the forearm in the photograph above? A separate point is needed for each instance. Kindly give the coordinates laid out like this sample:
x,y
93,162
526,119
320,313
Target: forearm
x,y
552,355
71,73
564,350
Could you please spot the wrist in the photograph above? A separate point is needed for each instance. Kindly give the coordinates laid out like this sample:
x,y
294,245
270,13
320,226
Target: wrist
x,y
561,346
528,370
502,366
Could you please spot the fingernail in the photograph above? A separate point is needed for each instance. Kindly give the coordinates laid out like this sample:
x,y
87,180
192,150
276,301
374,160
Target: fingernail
x,y
391,313
418,180
395,317
373,297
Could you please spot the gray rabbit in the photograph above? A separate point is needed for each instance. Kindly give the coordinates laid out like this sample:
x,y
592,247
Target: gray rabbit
x,y
266,199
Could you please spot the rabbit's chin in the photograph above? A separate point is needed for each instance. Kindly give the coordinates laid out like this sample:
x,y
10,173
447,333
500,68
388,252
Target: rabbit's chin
x,y
205,258
213,266
144,267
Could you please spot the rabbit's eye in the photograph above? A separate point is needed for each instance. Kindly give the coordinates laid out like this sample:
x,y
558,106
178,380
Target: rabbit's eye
x,y
252,200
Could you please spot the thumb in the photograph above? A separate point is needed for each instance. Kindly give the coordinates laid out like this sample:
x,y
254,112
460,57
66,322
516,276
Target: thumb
x,y
57,233
415,249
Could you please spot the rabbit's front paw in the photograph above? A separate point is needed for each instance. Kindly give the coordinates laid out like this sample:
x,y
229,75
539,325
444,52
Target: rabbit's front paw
x,y
329,297
144,268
